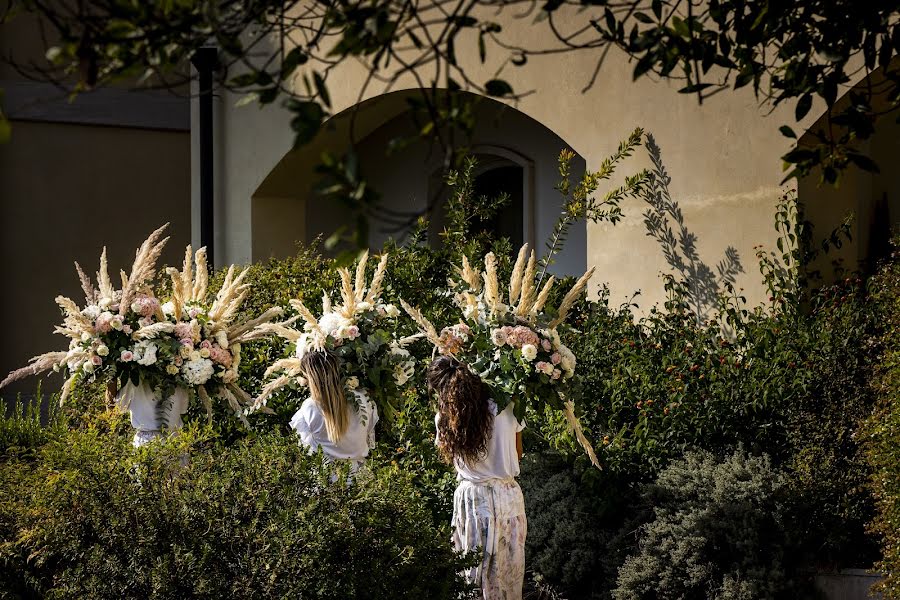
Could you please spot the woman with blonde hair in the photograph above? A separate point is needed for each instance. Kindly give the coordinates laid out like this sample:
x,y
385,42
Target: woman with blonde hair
x,y
344,429
484,448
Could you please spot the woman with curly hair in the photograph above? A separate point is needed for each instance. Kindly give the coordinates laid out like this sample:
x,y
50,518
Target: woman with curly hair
x,y
484,447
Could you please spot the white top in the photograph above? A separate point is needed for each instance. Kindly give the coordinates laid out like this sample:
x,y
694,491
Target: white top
x,y
354,445
141,402
501,461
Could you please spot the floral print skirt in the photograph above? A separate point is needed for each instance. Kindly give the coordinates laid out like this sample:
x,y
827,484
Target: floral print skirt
x,y
491,516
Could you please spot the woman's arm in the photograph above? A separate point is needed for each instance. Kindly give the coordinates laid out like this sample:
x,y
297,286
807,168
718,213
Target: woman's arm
x,y
519,444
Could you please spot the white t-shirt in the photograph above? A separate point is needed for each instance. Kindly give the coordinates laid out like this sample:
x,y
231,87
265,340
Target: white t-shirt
x,y
501,461
141,403
354,445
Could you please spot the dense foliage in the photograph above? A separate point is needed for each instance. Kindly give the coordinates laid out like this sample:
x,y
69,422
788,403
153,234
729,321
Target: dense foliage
x,y
718,533
882,431
93,519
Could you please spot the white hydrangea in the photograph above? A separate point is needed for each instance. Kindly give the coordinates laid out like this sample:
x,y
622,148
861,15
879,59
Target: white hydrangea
x,y
332,323
92,311
145,353
568,361
168,308
197,372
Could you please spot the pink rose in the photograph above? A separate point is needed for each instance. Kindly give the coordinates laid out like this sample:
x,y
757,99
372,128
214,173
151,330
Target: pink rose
x,y
547,346
145,321
221,356
206,344
145,306
556,374
544,367
353,332
179,361
96,360
127,356
194,312
556,358
187,342
126,329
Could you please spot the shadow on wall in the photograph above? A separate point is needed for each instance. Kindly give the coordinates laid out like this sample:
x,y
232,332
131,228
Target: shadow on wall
x,y
702,285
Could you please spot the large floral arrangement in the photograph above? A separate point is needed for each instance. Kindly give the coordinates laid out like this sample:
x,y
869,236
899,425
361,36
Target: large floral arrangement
x,y
132,336
360,331
515,346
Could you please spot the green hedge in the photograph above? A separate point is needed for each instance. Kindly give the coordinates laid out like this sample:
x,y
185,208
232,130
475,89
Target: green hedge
x,y
88,517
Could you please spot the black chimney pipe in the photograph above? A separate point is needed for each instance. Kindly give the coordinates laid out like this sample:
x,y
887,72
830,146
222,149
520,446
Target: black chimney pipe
x,y
205,60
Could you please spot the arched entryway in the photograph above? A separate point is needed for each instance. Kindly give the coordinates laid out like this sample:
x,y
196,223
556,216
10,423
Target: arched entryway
x,y
515,154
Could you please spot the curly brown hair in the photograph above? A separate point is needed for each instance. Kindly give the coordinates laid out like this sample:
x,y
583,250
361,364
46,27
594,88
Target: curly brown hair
x,y
465,421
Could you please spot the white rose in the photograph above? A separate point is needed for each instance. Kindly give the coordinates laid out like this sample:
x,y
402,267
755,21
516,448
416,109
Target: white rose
x,y
135,307
85,337
391,310
104,303
204,352
92,311
363,306
529,351
498,337
184,352
172,370
88,367
195,356
168,308
352,383
103,350
116,323
147,355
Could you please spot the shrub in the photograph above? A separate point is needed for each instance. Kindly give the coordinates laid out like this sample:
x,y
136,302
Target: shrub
x,y
258,519
718,533
882,430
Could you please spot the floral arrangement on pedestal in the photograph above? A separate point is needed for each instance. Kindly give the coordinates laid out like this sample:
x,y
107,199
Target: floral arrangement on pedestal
x,y
360,331
166,347
515,346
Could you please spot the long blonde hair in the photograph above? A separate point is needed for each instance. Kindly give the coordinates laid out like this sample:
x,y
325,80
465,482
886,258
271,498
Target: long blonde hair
x,y
322,373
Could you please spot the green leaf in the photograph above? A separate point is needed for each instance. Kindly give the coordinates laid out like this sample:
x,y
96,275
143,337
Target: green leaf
x,y
787,132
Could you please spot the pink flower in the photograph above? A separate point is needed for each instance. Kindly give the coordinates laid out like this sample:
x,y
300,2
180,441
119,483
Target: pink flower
x,y
145,321
145,306
193,312
104,323
544,367
206,344
547,346
126,329
220,356
179,361
187,342
183,331
521,335
353,332
126,356
96,360
556,374
556,358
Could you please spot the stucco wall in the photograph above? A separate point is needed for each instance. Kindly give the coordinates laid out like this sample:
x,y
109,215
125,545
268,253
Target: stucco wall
x,y
65,191
723,156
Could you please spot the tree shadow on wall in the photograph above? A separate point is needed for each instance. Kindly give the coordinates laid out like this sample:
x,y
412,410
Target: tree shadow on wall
x,y
695,283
